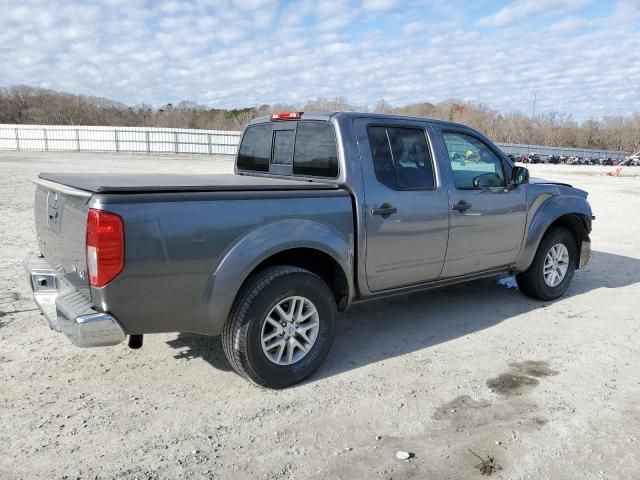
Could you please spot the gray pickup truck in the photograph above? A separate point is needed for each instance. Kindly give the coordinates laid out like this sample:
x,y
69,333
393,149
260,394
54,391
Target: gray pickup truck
x,y
324,210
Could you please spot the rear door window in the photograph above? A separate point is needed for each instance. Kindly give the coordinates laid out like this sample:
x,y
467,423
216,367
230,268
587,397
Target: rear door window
x,y
315,153
401,157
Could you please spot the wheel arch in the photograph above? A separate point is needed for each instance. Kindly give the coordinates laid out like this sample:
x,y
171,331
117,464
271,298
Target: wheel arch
x,y
304,243
575,223
316,261
572,213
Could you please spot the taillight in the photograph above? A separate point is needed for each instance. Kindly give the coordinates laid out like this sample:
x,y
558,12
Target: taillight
x,y
286,116
105,247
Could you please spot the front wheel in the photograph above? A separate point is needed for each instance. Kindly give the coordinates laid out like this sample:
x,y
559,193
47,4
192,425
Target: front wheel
x,y
281,327
553,266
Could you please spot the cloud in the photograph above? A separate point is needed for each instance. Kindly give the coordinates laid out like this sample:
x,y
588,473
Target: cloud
x,y
627,12
521,9
232,56
379,5
414,28
570,23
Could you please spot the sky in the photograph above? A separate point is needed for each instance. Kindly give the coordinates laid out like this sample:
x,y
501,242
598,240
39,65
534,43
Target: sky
x,y
576,56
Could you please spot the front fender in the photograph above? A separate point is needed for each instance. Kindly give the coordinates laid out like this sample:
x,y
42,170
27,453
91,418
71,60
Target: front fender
x,y
547,212
262,242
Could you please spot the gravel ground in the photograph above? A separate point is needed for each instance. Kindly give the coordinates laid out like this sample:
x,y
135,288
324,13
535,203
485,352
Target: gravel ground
x,y
547,390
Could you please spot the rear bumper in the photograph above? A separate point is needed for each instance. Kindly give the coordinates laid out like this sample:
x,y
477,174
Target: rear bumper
x,y
69,311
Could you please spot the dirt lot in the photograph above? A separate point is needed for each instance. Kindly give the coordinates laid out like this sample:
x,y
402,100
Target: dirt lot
x,y
549,390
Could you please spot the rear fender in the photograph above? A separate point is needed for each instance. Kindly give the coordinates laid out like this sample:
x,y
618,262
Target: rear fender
x,y
546,214
259,244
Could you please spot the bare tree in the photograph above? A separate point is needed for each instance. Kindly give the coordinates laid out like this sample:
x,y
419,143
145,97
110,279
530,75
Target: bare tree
x,y
23,104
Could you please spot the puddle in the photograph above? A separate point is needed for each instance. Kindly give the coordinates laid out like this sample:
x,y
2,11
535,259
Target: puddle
x,y
512,383
533,368
482,428
520,377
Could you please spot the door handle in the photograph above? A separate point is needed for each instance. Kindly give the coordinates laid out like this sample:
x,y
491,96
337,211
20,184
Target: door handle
x,y
385,210
461,206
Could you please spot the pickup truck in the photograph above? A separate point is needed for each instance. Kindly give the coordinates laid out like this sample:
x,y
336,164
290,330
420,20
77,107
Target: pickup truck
x,y
323,210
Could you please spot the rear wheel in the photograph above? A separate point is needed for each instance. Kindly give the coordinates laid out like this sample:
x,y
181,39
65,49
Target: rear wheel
x,y
281,327
553,266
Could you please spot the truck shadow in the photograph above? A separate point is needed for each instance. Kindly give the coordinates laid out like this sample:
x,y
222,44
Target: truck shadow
x,y
382,329
192,346
8,307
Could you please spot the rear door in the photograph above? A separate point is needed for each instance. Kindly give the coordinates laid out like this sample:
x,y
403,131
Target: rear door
x,y
487,216
406,204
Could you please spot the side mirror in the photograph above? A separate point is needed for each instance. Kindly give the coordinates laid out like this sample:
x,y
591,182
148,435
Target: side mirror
x,y
487,180
519,175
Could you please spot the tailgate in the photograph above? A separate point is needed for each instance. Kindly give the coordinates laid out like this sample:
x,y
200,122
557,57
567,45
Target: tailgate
x,y
61,222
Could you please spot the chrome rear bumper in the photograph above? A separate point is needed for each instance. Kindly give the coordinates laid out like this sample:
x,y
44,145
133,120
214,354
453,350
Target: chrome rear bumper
x,y
69,311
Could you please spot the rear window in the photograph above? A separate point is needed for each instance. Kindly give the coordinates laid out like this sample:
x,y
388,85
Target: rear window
x,y
305,148
255,150
283,146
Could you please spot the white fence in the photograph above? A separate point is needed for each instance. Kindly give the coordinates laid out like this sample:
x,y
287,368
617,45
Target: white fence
x,y
62,138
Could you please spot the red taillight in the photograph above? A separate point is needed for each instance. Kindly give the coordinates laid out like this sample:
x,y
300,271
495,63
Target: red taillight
x,y
105,247
286,116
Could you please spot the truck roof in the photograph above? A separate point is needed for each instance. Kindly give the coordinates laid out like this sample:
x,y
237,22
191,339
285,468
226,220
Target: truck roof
x,y
328,115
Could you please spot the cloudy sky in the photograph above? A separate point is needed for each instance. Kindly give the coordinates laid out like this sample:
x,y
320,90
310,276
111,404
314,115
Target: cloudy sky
x,y
580,56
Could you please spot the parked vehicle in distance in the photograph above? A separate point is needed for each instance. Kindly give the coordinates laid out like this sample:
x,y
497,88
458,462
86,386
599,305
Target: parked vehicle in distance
x,y
632,160
324,210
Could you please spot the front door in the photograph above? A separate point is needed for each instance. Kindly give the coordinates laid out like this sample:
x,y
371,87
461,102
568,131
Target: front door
x,y
406,204
487,216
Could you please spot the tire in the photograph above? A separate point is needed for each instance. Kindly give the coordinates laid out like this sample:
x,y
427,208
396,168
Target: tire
x,y
247,326
533,283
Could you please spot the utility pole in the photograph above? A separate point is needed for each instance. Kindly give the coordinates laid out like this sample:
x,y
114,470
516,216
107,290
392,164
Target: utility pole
x,y
533,114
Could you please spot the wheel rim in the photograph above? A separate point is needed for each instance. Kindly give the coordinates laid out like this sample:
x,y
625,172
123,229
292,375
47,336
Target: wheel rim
x,y
290,330
556,265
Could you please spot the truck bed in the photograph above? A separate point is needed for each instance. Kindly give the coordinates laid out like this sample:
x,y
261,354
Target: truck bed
x,y
160,183
177,230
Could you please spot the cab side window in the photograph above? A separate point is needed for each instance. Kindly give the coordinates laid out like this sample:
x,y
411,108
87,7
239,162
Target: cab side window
x,y
401,157
474,165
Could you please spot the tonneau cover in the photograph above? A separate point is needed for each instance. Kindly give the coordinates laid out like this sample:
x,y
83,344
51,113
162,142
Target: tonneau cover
x,y
157,182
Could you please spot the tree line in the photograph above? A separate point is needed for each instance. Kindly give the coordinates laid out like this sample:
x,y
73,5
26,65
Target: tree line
x,y
30,105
